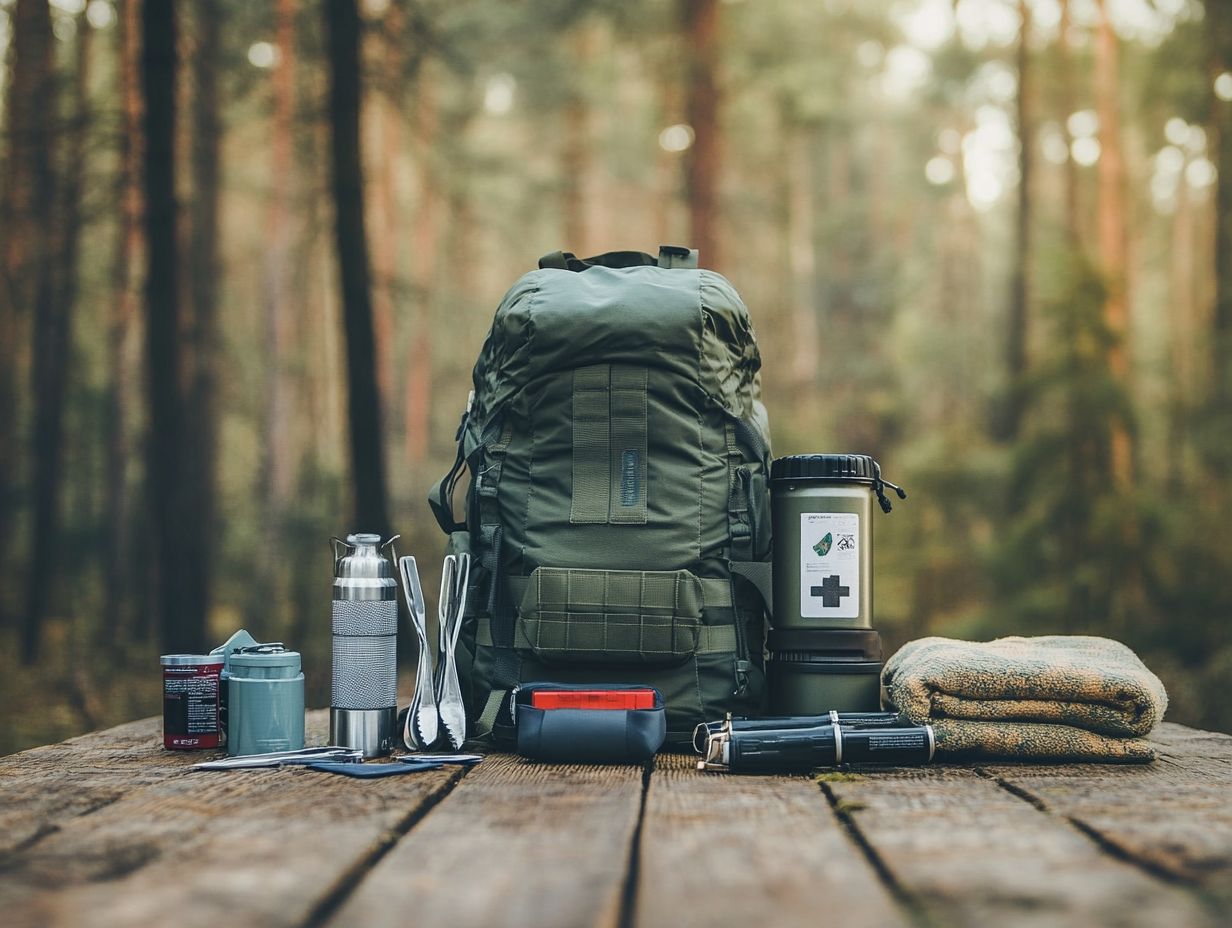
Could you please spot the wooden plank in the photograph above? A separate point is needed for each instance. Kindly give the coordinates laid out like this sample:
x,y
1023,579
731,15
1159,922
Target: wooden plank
x,y
519,844
42,787
257,847
1173,817
743,850
972,853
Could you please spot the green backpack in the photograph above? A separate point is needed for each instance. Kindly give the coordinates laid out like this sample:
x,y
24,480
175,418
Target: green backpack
x,y
618,509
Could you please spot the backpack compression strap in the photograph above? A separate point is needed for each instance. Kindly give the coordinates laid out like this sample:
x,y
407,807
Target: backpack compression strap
x,y
669,256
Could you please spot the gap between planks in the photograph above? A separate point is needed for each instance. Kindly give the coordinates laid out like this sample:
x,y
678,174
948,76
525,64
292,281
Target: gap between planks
x,y
518,843
133,833
334,899
967,857
911,909
1171,818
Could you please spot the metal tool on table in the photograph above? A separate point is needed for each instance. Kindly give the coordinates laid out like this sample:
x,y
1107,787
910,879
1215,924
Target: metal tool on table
x,y
789,745
452,607
702,733
330,753
364,703
421,721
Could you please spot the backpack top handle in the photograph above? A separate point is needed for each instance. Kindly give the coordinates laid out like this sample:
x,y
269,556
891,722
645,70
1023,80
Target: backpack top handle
x,y
669,256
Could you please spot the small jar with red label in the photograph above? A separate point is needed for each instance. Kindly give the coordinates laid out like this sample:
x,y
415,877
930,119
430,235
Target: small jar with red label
x,y
191,701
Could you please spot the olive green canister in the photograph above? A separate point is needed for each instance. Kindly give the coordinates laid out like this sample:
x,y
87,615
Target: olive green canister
x,y
824,653
265,701
822,514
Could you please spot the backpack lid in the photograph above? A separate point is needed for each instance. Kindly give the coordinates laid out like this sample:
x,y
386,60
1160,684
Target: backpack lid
x,y
669,256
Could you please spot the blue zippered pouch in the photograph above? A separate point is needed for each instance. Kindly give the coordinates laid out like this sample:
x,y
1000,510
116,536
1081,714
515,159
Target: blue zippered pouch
x,y
580,736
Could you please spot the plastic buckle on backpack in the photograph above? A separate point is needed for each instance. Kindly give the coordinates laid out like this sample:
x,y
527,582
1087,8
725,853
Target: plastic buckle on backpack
x,y
742,677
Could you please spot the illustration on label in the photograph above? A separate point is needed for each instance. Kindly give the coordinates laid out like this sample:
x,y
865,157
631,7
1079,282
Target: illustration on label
x,y
830,565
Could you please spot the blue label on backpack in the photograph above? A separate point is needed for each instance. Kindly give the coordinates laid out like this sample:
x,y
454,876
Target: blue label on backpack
x,y
630,477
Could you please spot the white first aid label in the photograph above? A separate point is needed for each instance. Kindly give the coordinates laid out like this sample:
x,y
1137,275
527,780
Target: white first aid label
x,y
830,565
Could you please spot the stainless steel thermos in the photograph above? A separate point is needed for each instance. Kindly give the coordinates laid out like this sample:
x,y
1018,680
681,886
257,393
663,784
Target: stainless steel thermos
x,y
824,652
364,703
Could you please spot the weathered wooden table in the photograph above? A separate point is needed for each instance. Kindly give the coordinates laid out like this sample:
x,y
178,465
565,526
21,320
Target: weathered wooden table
x,y
109,829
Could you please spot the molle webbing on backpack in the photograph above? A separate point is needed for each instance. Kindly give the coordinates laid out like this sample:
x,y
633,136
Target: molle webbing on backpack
x,y
609,445
591,443
739,524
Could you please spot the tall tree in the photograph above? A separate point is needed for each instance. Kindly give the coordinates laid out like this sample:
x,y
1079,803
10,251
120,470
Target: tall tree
x,y
117,509
700,23
1111,225
181,622
383,112
1219,37
201,440
27,202
801,207
425,252
577,149
351,244
52,318
1065,92
279,472
1010,420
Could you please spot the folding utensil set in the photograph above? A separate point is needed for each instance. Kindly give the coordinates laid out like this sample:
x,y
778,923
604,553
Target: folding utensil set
x,y
437,708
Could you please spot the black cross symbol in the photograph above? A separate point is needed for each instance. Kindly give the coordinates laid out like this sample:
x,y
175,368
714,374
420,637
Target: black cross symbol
x,y
829,591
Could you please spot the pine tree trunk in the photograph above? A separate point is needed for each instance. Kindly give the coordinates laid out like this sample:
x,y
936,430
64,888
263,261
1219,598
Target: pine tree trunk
x,y
363,399
280,473
117,510
802,259
51,334
577,150
1219,33
1010,420
1112,218
703,159
381,122
1065,83
165,470
201,439
425,254
27,198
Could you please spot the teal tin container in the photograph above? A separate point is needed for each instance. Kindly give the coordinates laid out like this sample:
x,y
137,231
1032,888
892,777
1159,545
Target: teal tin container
x,y
265,701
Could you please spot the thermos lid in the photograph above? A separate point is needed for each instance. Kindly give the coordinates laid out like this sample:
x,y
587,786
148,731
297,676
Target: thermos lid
x,y
265,659
846,468
364,560
264,664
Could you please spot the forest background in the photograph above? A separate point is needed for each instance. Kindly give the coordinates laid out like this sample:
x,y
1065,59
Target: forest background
x,y
250,250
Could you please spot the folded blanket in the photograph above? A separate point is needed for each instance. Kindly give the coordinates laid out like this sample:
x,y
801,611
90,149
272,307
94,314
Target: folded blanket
x,y
1057,697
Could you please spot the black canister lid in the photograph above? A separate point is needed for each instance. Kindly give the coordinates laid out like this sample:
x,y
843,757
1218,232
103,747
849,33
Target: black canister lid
x,y
861,644
854,468
836,468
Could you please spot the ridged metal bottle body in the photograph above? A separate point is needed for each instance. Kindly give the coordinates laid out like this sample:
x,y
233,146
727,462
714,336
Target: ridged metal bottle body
x,y
364,623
